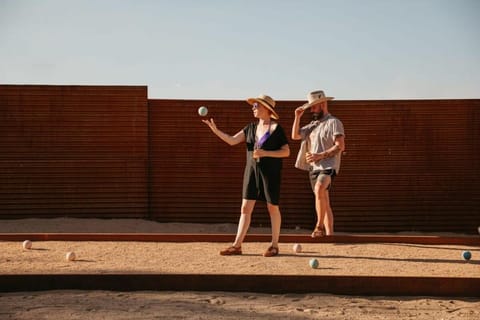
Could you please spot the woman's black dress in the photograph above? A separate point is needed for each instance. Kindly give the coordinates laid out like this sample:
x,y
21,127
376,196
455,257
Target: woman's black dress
x,y
261,180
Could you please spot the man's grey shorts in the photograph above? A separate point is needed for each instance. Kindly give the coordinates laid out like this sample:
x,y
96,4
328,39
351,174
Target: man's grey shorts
x,y
320,175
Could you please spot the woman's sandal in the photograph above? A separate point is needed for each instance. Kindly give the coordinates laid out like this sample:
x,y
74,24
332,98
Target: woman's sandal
x,y
318,232
271,252
231,251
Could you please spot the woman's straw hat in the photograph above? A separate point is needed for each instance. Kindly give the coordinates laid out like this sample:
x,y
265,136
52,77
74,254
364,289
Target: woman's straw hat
x,y
267,102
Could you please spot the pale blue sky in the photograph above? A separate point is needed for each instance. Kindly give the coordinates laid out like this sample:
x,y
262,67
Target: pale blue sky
x,y
227,49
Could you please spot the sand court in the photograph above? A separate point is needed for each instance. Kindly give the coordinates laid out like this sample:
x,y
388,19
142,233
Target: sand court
x,y
200,265
347,264
101,257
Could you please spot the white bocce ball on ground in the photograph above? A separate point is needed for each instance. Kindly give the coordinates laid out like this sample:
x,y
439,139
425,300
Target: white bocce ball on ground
x,y
70,256
297,248
27,244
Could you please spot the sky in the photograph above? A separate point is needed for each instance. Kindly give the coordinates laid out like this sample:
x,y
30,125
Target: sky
x,y
234,49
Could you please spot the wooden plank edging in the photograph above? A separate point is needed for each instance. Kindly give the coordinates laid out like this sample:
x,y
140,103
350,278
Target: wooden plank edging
x,y
277,284
287,238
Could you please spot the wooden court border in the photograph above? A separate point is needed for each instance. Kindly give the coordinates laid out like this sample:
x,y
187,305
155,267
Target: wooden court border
x,y
274,284
286,238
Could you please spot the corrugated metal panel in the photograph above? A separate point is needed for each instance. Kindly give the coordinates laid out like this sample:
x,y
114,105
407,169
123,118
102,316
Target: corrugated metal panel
x,y
87,151
73,151
196,177
409,166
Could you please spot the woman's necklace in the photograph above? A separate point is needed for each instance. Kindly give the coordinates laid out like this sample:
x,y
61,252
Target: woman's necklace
x,y
261,130
262,135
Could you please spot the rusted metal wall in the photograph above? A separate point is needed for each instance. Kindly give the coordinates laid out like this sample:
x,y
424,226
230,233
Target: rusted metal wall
x,y
195,176
410,165
77,151
108,151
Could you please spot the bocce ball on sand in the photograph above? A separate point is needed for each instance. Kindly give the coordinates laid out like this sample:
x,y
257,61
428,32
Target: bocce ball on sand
x,y
466,255
297,248
202,111
70,256
314,263
27,244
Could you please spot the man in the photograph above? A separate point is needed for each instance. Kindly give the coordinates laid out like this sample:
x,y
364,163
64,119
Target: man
x,y
323,141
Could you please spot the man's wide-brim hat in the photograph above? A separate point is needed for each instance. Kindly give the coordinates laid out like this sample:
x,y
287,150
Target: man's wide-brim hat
x,y
316,97
267,102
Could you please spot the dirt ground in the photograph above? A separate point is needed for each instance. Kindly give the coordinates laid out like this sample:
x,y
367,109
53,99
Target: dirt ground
x,y
48,257
108,305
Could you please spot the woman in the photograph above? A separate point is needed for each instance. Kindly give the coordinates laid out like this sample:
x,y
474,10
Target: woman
x,y
266,144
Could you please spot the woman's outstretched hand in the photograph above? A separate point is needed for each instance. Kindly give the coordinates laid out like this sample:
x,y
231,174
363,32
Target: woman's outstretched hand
x,y
211,124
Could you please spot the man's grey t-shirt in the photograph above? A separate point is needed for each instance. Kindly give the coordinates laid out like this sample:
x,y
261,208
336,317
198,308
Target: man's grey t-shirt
x,y
321,136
